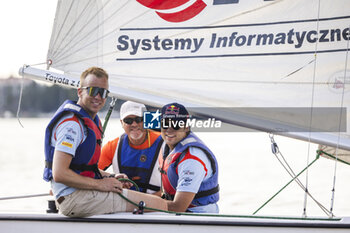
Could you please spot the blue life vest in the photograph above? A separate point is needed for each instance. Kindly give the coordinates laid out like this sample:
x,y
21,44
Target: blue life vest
x,y
208,192
138,164
87,154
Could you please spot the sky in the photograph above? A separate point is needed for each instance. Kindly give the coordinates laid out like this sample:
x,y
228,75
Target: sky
x,y
25,33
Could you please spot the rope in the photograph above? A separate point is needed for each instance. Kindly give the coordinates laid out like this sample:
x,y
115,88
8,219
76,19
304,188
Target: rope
x,y
131,181
111,106
21,92
294,178
20,98
332,156
285,165
25,196
219,215
311,113
340,121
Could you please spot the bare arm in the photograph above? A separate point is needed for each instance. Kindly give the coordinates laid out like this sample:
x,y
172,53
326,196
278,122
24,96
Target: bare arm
x,y
181,201
158,193
63,174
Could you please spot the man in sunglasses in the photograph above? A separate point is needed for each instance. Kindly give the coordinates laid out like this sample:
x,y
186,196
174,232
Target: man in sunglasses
x,y
72,149
189,169
135,152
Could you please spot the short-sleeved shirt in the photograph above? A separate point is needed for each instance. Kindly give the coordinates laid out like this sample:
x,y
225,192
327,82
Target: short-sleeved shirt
x,y
192,172
67,135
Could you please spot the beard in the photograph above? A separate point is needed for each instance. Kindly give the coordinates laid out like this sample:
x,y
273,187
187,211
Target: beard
x,y
136,134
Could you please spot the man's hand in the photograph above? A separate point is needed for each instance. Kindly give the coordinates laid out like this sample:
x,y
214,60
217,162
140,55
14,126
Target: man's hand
x,y
126,184
110,184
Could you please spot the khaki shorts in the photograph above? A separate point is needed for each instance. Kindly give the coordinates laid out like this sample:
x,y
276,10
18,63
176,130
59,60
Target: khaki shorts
x,y
84,203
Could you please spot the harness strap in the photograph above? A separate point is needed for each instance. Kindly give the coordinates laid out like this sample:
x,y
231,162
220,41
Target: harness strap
x,y
79,167
120,143
198,195
207,192
99,142
147,186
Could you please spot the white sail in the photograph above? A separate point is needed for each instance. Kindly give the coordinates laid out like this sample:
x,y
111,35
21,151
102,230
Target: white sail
x,y
216,53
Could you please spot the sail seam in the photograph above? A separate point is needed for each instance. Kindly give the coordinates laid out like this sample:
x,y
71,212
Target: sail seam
x,y
65,18
58,53
70,29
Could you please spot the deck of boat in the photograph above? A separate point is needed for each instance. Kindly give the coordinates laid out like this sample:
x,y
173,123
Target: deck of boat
x,y
161,222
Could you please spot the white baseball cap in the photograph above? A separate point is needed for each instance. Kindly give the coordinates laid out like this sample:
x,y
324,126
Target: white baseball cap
x,y
132,108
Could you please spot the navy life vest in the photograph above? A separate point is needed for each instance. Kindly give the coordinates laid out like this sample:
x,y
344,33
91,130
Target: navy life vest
x,y
87,154
138,164
208,192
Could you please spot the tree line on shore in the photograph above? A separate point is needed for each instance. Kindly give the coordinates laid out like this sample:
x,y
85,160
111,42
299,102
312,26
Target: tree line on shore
x,y
37,99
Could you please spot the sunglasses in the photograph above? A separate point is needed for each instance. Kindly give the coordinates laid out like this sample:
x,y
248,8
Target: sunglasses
x,y
94,91
173,124
130,120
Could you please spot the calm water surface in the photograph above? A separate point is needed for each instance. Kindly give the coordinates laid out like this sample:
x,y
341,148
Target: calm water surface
x,y
249,172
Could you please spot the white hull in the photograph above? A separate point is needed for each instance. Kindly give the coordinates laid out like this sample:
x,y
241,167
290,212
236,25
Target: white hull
x,y
158,222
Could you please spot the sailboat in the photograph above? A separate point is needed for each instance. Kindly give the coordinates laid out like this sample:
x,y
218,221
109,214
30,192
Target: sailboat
x,y
277,66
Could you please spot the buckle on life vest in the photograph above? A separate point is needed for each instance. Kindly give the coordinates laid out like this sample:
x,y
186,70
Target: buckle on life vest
x,y
167,196
162,171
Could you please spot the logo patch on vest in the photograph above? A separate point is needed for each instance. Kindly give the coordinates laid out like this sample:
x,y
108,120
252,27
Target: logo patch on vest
x,y
143,158
67,144
73,107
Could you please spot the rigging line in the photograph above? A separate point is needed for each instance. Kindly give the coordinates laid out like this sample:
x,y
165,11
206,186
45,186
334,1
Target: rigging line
x,y
37,64
59,56
70,29
58,52
275,150
20,98
297,180
285,165
25,196
311,110
340,121
64,21
109,113
21,93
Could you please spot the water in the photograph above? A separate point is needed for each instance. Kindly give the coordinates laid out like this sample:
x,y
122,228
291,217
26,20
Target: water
x,y
249,172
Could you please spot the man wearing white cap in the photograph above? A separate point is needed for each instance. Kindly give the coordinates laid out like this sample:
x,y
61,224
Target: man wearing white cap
x,y
135,152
